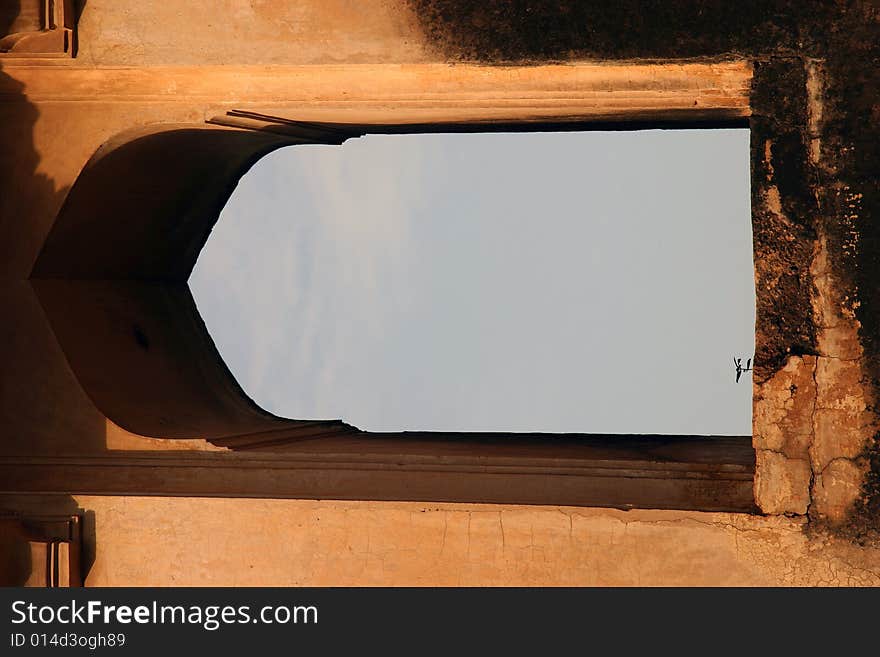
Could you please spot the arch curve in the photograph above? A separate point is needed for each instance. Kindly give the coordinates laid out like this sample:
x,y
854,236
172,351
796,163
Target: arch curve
x,y
112,279
144,204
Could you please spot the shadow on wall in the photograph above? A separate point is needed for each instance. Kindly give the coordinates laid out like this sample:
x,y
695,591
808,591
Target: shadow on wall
x,y
29,526
43,409
39,26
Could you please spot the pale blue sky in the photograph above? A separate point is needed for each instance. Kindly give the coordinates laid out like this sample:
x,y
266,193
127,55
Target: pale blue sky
x,y
560,282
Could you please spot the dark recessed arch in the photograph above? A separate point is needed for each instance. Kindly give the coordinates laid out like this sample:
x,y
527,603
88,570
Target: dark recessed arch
x,y
112,280
144,204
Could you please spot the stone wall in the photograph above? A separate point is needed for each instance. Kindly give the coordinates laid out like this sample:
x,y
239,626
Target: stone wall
x,y
814,110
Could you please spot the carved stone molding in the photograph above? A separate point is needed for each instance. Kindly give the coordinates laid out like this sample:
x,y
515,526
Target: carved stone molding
x,y
44,28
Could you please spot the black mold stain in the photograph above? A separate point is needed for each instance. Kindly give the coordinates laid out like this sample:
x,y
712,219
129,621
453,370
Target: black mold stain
x,y
532,30
783,242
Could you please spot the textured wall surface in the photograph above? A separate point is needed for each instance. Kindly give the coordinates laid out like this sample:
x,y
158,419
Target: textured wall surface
x,y
172,541
814,106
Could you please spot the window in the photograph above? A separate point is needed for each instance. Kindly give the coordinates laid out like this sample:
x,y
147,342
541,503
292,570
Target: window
x,y
589,282
117,296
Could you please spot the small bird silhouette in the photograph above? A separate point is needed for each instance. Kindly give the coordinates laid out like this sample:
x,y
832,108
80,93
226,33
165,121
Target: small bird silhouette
x,y
737,362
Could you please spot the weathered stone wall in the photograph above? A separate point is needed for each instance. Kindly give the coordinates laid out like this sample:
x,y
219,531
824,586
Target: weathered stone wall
x,y
189,541
815,112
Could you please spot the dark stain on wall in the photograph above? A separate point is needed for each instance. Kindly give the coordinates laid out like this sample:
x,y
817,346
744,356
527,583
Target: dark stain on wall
x,y
783,237
529,30
849,192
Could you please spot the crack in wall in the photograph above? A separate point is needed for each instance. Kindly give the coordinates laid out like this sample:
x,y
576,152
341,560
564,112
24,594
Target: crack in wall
x,y
841,420
813,416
